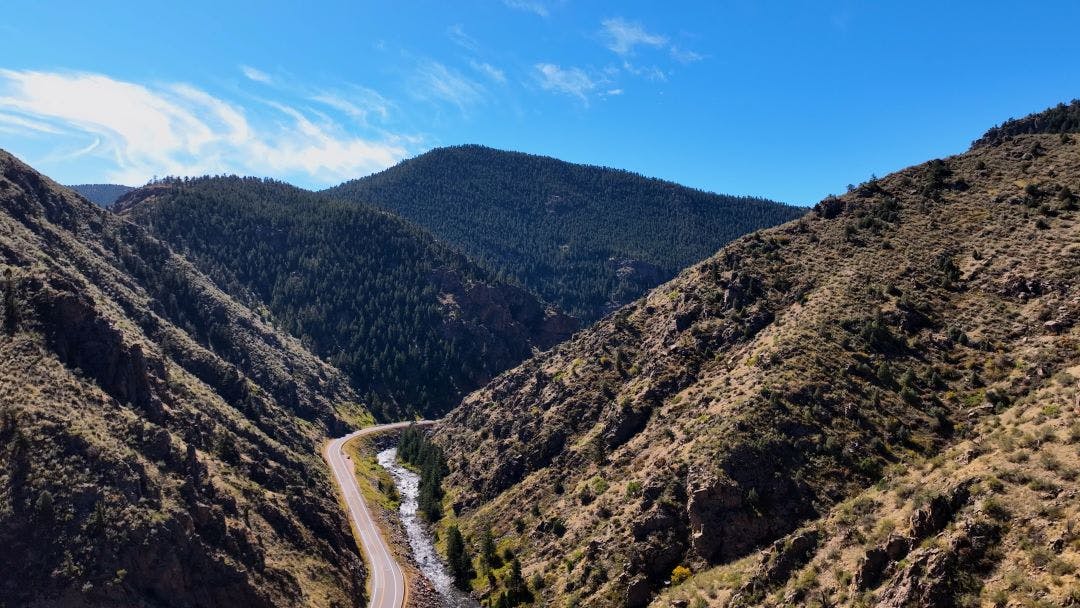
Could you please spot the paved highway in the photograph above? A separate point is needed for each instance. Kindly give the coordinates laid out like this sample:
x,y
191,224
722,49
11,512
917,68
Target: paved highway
x,y
387,583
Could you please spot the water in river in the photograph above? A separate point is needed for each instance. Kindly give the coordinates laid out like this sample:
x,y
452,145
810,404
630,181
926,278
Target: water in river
x,y
423,548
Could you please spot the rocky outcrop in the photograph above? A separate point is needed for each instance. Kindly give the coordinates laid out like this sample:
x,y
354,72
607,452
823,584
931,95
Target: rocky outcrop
x,y
776,565
505,322
924,522
82,338
936,577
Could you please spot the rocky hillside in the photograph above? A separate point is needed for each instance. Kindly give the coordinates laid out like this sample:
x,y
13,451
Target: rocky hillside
x,y
158,440
414,324
101,194
586,238
873,403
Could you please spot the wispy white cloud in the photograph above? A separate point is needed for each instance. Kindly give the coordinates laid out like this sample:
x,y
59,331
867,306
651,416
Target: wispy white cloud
x,y
22,125
684,55
177,129
457,34
571,81
614,92
255,74
434,81
358,103
650,72
489,70
622,36
532,6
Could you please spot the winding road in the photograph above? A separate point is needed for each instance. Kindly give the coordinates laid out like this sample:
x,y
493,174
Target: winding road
x,y
387,582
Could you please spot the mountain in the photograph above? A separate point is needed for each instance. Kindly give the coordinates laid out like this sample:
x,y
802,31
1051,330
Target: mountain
x,y
414,324
158,440
588,239
101,194
875,404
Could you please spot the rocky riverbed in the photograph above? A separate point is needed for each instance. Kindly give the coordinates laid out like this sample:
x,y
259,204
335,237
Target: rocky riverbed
x,y
419,534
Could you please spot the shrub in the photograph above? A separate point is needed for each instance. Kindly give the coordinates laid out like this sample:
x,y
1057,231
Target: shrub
x,y
558,526
599,485
869,466
884,374
680,574
585,496
996,509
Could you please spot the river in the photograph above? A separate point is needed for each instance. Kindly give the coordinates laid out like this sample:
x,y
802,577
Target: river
x,y
420,540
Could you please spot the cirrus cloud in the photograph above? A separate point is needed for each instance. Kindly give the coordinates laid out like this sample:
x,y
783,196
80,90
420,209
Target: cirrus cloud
x,y
622,36
531,6
177,129
571,81
256,74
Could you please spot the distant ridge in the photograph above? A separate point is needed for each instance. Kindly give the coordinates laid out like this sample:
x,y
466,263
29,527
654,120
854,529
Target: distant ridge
x,y
102,195
586,238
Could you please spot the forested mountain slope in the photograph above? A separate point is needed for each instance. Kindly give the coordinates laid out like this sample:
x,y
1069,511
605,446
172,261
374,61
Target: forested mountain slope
x,y
158,441
585,238
101,194
414,324
895,374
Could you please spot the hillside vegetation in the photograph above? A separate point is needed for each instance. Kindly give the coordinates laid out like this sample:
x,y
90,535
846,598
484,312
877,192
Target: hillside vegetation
x,y
413,324
872,405
588,239
158,440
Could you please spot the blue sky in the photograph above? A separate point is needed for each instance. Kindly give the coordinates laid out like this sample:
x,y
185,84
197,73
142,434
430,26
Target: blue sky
x,y
791,100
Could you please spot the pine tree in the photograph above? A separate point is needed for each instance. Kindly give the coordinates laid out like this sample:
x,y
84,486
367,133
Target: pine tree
x,y
516,590
457,557
488,551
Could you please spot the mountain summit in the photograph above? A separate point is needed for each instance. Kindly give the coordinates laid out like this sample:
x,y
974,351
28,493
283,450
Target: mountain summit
x,y
586,238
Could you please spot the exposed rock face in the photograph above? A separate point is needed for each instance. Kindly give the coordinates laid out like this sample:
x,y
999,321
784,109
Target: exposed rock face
x,y
934,516
84,340
777,564
924,522
761,388
157,440
923,582
634,278
937,576
505,322
726,520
